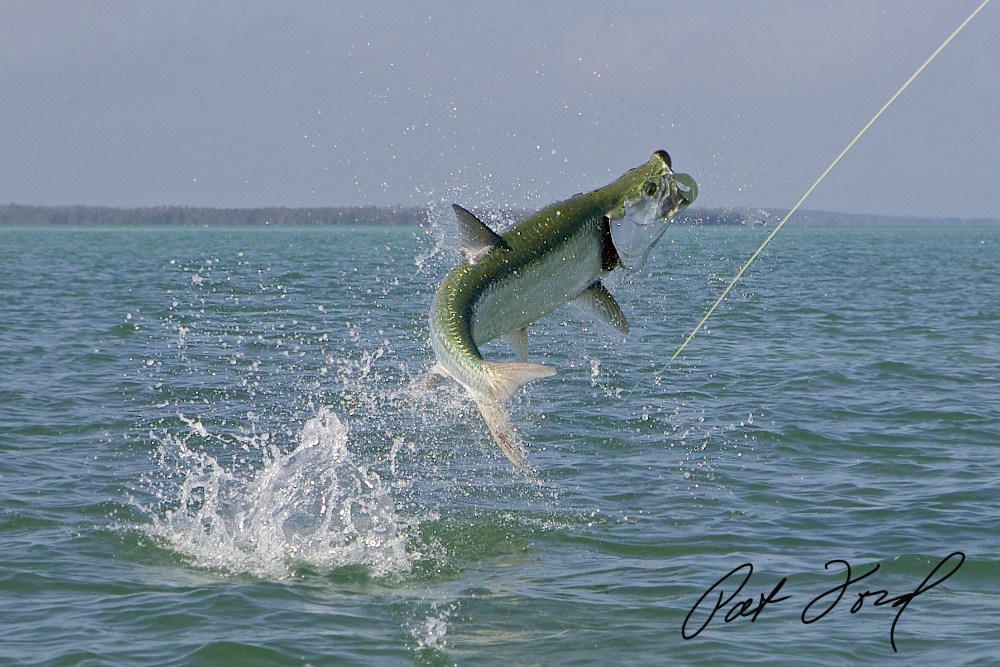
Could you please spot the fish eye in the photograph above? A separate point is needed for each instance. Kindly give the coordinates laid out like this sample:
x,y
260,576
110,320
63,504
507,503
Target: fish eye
x,y
650,188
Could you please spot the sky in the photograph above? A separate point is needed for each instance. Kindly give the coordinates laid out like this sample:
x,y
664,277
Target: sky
x,y
517,103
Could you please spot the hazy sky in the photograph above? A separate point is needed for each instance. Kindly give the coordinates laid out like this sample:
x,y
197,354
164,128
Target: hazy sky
x,y
243,104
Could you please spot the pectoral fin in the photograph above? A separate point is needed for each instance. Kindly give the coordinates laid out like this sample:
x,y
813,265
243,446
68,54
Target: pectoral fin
x,y
476,239
598,301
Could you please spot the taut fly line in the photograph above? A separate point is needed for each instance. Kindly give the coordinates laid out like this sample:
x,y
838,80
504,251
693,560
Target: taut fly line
x,y
819,180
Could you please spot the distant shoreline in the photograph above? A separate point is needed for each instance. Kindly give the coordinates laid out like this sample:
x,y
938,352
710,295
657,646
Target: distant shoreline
x,y
12,215
192,216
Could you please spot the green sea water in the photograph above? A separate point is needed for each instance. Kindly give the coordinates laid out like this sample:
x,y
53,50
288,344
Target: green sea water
x,y
217,446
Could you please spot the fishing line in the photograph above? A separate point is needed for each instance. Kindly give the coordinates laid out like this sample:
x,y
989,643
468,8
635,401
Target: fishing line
x,y
822,176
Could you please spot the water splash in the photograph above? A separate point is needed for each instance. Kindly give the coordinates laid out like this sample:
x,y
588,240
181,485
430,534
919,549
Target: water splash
x,y
316,506
253,381
255,471
430,631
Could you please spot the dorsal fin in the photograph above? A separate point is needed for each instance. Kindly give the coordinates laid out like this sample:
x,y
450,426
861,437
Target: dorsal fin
x,y
475,238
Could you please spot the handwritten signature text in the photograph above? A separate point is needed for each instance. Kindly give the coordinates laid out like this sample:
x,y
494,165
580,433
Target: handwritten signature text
x,y
725,598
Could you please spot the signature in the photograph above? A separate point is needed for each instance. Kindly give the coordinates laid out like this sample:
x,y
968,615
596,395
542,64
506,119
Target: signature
x,y
735,606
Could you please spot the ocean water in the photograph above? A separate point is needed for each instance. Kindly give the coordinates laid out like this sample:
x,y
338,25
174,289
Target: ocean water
x,y
217,446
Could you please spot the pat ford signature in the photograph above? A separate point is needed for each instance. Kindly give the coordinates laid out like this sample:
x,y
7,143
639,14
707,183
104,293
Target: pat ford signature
x,y
732,606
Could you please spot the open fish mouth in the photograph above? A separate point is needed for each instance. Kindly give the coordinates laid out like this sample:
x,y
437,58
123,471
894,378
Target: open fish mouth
x,y
687,189
683,192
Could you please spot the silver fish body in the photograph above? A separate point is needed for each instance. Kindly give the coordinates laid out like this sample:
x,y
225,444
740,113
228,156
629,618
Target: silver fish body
x,y
553,257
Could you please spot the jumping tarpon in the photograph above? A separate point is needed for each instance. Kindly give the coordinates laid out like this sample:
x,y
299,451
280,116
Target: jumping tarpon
x,y
556,256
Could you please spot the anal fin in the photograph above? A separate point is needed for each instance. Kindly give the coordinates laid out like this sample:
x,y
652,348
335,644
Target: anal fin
x,y
518,340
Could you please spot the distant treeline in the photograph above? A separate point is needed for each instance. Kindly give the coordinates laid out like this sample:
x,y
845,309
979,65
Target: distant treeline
x,y
86,216
66,216
207,217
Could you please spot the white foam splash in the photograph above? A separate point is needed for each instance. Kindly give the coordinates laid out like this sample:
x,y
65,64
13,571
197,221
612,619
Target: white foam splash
x,y
430,632
315,506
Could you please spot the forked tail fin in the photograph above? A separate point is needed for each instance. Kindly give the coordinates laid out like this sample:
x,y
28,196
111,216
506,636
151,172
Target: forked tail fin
x,y
502,431
507,377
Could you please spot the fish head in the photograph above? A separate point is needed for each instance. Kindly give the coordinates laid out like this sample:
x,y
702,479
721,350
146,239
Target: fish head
x,y
646,200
